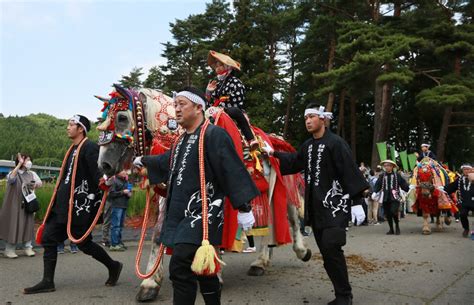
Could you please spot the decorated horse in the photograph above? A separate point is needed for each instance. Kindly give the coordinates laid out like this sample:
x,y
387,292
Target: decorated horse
x,y
143,122
427,194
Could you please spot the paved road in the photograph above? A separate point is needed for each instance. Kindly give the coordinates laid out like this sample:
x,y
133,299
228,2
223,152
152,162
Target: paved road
x,y
398,270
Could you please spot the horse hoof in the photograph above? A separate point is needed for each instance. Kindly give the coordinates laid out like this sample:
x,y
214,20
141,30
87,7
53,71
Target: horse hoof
x,y
426,232
147,294
256,271
447,221
307,256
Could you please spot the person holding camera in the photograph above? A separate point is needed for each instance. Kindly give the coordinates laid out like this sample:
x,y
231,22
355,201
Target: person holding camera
x,y
16,223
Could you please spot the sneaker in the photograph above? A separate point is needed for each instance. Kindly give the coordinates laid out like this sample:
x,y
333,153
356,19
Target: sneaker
x,y
457,220
377,224
29,252
250,250
74,248
117,248
61,249
10,253
123,246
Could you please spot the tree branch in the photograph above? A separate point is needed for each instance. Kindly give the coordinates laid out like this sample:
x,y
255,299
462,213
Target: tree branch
x,y
461,125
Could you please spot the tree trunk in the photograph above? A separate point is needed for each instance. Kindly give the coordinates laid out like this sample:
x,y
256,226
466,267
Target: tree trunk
x,y
332,53
340,123
375,6
377,123
353,102
443,134
386,109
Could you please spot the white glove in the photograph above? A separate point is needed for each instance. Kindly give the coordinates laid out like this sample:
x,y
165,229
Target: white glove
x,y
137,162
268,149
108,181
91,196
246,220
441,188
412,187
358,215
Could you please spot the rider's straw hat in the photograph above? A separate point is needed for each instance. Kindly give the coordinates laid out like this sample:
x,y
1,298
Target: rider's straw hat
x,y
214,56
390,162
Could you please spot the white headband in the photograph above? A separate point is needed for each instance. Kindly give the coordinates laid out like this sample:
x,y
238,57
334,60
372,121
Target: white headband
x,y
427,145
196,99
77,120
320,112
466,166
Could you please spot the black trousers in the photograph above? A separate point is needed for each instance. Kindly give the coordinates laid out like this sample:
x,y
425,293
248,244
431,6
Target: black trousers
x,y
330,242
463,213
55,233
185,280
391,209
238,116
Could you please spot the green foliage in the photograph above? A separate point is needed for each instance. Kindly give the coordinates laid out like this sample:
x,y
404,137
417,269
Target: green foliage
x,y
40,135
133,79
425,54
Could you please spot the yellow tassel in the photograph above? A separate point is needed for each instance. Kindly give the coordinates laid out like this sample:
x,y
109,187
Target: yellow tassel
x,y
205,260
255,155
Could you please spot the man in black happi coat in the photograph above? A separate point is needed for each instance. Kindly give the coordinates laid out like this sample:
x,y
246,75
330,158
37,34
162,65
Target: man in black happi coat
x,y
225,175
86,204
332,181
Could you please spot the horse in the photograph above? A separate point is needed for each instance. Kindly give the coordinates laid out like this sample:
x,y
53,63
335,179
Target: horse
x,y
427,194
143,122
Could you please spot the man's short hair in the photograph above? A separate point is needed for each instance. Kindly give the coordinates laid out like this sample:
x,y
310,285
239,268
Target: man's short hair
x,y
313,105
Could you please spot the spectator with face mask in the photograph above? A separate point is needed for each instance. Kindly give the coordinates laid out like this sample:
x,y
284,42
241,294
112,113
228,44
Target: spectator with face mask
x,y
17,225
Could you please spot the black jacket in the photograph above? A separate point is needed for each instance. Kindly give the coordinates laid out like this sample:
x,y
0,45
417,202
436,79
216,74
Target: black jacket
x,y
391,186
117,198
86,183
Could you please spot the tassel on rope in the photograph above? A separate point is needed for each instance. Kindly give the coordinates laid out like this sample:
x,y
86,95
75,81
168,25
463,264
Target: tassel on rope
x,y
205,262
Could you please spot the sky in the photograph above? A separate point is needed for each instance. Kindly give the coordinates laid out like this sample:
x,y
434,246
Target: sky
x,y
56,54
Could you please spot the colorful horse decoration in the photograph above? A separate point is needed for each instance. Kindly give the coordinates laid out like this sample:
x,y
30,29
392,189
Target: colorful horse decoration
x,y
427,195
148,118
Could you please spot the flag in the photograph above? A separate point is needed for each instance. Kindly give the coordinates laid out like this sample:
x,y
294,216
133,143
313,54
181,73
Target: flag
x,y
412,160
393,153
382,149
404,159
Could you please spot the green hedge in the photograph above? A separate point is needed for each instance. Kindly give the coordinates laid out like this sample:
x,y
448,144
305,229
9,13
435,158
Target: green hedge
x,y
135,206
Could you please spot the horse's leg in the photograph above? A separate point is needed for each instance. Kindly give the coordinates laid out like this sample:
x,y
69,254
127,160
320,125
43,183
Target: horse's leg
x,y
447,217
149,288
439,222
257,267
299,247
426,225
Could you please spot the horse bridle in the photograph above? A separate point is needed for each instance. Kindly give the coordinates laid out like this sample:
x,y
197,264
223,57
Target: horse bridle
x,y
137,139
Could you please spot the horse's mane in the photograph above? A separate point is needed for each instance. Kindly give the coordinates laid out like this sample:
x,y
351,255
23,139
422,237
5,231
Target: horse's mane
x,y
156,102
439,173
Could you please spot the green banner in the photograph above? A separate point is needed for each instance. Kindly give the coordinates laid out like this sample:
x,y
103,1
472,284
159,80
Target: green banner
x,y
393,153
382,149
404,159
412,160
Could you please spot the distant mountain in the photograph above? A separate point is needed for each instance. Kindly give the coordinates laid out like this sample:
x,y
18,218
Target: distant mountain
x,y
40,135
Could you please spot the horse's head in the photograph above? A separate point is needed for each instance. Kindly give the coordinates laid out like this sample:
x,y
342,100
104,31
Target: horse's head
x,y
142,122
116,132
425,180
